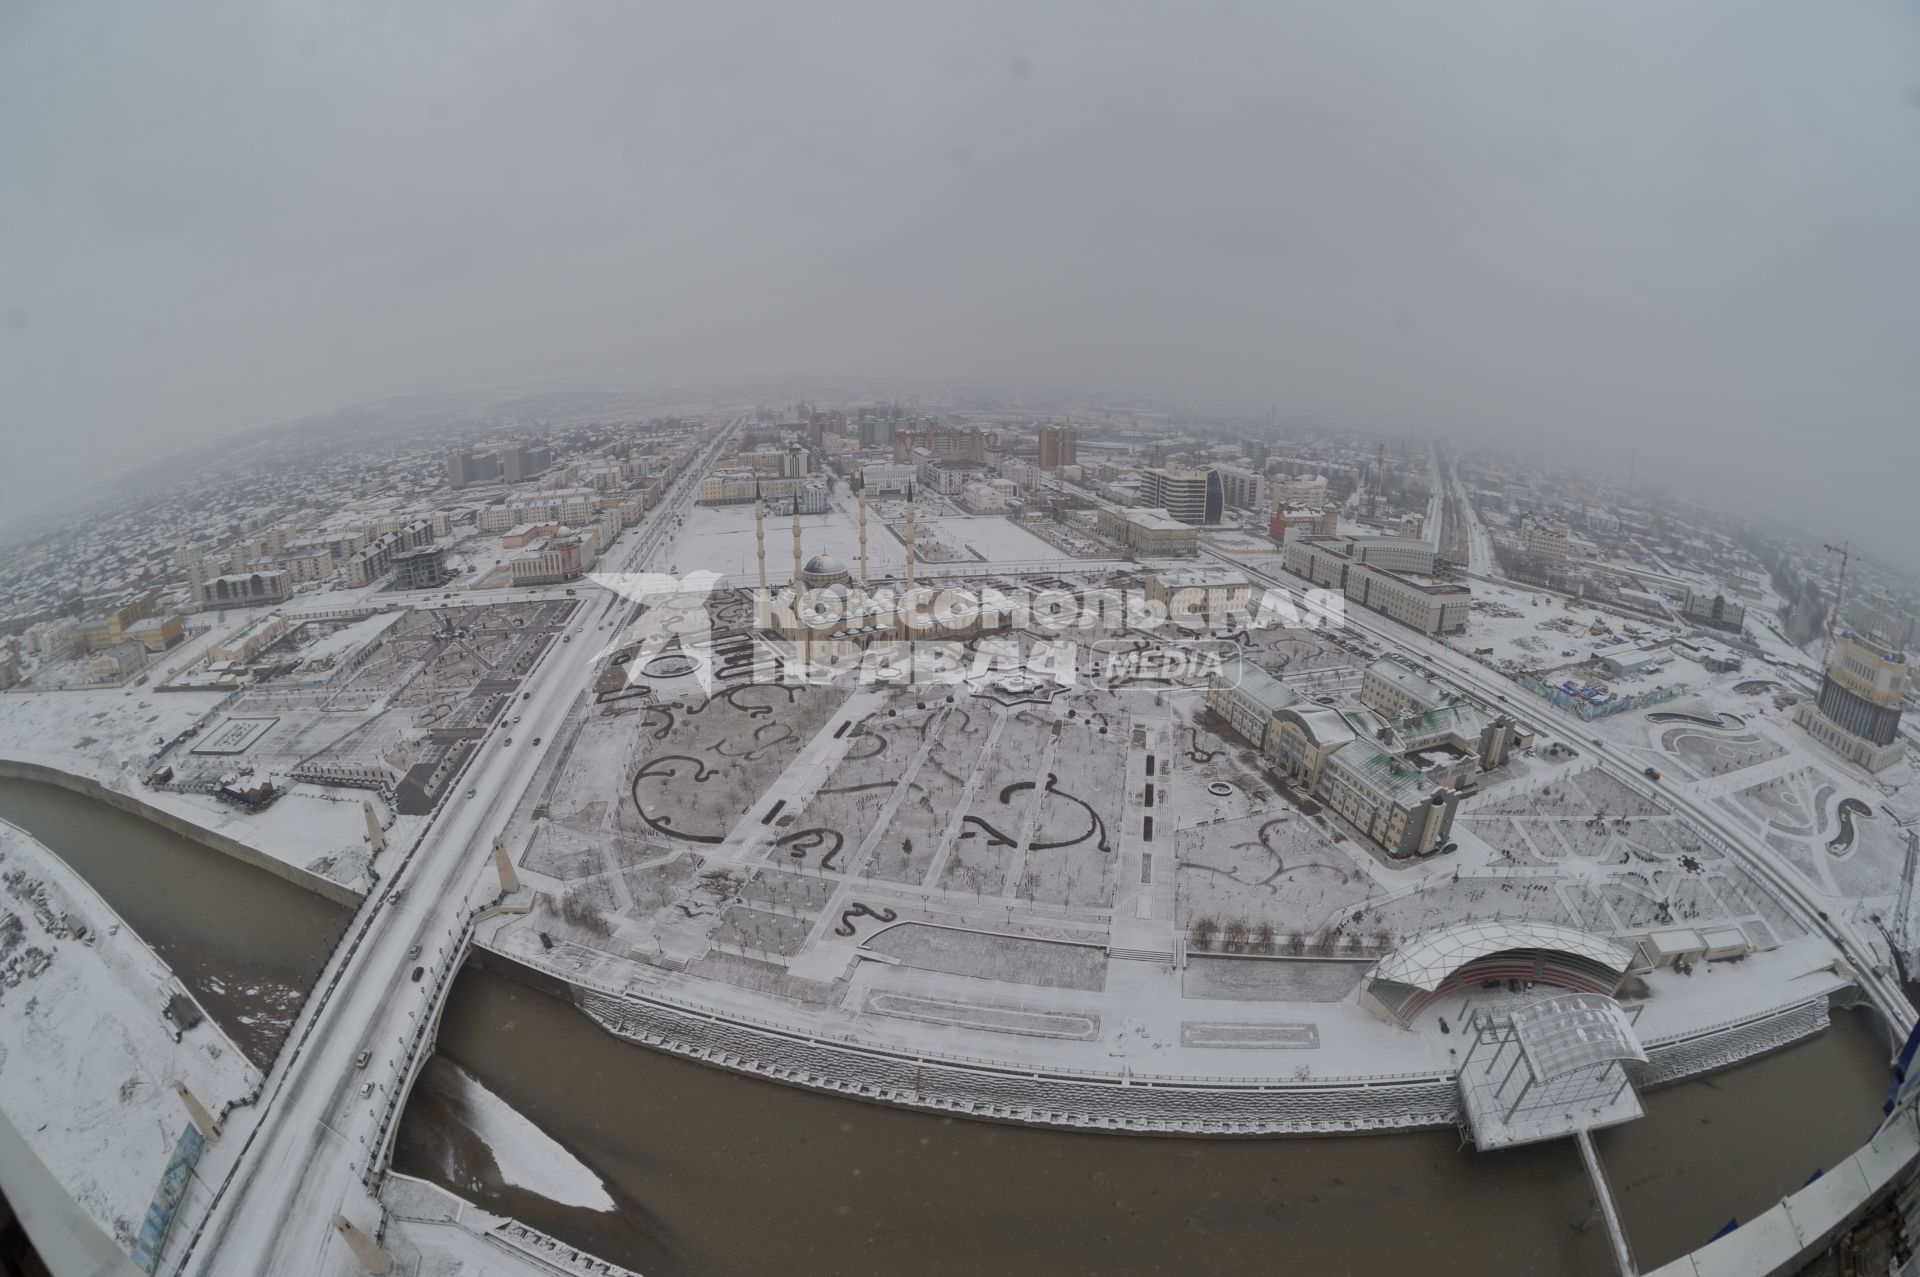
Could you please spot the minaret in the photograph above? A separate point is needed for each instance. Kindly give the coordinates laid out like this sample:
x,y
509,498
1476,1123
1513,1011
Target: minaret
x,y
806,632
760,543
375,835
909,538
796,552
863,539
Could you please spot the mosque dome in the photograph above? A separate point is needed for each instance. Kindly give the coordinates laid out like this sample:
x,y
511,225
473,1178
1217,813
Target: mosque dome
x,y
824,565
823,570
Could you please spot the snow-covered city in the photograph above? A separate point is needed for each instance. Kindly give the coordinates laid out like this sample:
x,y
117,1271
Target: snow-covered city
x,y
891,639
1058,765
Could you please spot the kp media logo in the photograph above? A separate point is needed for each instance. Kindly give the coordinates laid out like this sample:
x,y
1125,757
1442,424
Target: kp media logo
x,y
1108,637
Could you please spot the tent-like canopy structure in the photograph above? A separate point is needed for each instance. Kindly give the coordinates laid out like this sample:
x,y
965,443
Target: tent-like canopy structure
x,y
1406,981
1574,1031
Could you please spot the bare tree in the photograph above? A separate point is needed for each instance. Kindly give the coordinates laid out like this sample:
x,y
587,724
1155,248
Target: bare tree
x,y
1203,931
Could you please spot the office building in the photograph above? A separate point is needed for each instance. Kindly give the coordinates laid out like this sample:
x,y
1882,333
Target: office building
x,y
1857,714
1242,489
1149,533
557,559
1322,522
1714,610
1297,491
1200,596
1372,571
1191,496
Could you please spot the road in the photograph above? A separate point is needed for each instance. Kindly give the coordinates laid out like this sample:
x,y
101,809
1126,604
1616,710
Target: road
x,y
1458,532
1802,898
303,1161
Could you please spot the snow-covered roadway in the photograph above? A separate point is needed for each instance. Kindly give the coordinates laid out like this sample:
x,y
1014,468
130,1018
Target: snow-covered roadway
x,y
302,1163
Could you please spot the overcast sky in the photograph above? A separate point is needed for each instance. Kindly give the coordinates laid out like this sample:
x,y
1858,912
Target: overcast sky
x,y
1690,228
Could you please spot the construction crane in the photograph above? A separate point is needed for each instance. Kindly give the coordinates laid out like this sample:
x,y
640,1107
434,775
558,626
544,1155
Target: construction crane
x,y
1847,555
1903,914
1373,489
1845,551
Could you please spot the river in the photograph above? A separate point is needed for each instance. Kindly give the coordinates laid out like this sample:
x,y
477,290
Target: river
x,y
719,1173
248,945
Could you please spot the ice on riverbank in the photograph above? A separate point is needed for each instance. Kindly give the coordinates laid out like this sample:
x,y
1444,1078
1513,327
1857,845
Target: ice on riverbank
x,y
88,1059
527,1157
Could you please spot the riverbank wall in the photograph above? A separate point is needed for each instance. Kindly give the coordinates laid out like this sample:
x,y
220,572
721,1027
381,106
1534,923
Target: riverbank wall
x,y
20,769
1132,1103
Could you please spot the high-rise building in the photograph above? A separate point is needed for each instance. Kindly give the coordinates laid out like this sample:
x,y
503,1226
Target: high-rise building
x,y
1242,489
464,466
1058,447
1857,714
524,462
1191,496
459,467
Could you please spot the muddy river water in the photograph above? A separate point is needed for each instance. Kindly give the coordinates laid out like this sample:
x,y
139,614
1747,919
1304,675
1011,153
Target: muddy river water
x,y
248,945
719,1173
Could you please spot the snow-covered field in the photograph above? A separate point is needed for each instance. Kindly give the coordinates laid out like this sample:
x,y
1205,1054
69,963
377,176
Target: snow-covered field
x,y
88,1065
725,537
108,736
